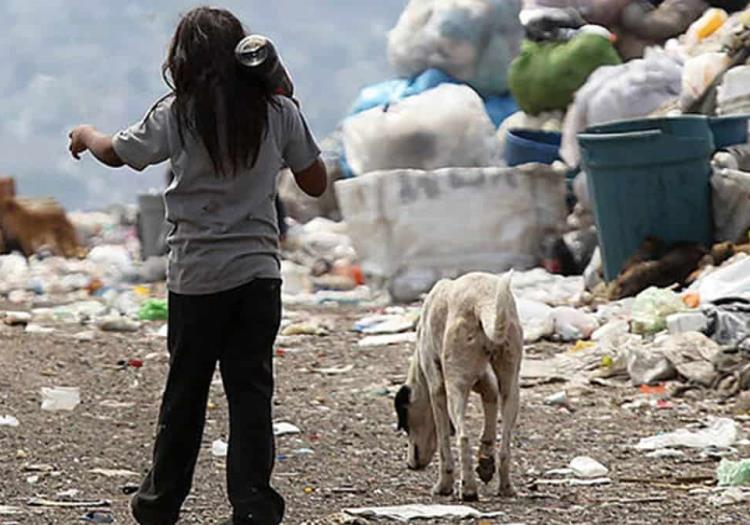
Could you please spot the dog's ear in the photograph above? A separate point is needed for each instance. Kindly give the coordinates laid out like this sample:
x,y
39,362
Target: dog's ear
x,y
403,398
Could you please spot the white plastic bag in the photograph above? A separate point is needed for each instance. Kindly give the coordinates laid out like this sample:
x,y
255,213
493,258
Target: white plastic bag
x,y
730,197
537,320
631,90
699,72
443,127
721,433
572,324
733,96
471,40
730,281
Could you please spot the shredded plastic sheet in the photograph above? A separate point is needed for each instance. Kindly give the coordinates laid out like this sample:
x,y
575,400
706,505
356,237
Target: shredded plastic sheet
x,y
721,433
406,513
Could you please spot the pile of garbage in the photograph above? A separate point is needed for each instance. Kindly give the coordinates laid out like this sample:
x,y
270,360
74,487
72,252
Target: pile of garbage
x,y
699,337
526,83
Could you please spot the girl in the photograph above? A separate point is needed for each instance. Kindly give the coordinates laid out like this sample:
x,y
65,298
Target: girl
x,y
227,136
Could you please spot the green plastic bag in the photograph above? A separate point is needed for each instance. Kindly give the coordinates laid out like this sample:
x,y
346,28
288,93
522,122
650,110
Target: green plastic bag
x,y
546,75
153,310
651,309
733,473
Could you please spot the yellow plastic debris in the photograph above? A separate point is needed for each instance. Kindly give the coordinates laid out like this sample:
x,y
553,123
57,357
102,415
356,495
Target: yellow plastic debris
x,y
582,345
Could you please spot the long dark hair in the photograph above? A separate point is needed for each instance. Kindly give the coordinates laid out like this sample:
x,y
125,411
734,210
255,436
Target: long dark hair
x,y
216,98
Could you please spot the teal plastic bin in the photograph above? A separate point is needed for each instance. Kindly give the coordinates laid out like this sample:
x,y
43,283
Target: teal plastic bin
x,y
648,177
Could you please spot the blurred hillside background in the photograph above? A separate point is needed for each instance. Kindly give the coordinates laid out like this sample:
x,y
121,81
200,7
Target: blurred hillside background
x,y
67,62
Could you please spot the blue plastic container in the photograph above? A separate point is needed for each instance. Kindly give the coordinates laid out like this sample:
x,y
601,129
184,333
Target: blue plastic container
x,y
649,177
730,130
523,146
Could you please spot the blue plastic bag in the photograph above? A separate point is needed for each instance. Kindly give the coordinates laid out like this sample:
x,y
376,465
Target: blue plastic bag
x,y
394,90
500,108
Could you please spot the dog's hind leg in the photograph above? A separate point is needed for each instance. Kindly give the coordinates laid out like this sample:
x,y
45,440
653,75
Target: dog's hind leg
x,y
510,396
488,389
458,398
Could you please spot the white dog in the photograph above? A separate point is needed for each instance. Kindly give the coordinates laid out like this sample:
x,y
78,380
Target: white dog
x,y
469,338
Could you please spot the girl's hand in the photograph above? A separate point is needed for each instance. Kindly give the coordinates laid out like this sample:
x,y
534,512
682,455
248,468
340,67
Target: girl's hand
x,y
78,140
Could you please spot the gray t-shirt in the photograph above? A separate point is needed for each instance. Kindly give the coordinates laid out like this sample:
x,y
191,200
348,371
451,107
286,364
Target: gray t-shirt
x,y
223,230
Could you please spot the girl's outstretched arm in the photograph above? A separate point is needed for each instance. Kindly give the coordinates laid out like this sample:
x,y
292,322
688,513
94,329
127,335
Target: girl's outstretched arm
x,y
84,138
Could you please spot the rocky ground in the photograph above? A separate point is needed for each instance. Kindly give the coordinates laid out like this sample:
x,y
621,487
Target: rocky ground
x,y
348,454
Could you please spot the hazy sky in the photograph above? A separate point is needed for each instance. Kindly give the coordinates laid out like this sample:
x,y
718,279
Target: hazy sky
x,y
66,62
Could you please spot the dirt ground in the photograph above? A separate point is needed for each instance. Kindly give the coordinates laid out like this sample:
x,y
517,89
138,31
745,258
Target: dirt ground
x,y
346,419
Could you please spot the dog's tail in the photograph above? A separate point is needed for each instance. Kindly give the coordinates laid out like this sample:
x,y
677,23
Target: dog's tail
x,y
498,315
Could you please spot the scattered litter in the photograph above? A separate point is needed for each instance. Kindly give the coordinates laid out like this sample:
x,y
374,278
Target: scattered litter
x,y
406,513
113,473
730,496
588,468
130,488
720,433
557,399
219,448
687,322
41,467
33,328
70,493
387,324
537,320
388,339
109,403
611,329
17,318
285,429
572,324
163,331
8,421
573,482
60,398
153,310
733,473
118,324
304,329
665,453
8,510
334,371
41,502
97,516
85,336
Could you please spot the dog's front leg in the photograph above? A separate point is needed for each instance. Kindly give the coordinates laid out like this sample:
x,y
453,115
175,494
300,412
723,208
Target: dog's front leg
x,y
444,486
458,398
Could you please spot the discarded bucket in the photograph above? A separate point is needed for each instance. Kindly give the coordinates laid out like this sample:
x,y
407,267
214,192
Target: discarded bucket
x,y
523,146
649,177
730,130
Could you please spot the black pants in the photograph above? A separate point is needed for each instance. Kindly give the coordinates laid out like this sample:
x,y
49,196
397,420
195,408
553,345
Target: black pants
x,y
236,329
